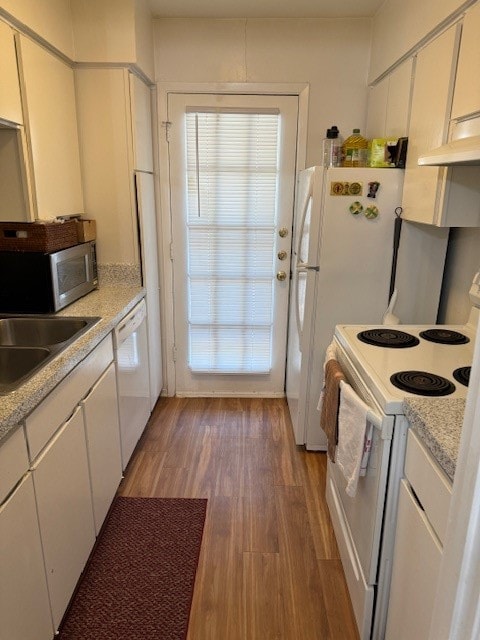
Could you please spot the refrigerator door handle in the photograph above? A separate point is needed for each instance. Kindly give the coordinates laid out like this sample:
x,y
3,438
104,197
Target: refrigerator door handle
x,y
297,311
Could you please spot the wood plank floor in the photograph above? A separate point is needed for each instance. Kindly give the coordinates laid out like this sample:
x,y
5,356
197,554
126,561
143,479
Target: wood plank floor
x,y
269,567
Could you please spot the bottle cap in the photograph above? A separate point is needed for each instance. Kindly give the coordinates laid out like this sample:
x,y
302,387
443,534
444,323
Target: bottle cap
x,y
356,131
332,132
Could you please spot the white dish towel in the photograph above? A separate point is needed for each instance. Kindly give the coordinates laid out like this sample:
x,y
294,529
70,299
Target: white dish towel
x,y
354,437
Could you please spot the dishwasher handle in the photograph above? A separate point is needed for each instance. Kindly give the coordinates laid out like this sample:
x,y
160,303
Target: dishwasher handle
x,y
130,322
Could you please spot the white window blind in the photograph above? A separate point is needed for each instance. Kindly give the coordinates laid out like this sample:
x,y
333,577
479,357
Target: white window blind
x,y
232,178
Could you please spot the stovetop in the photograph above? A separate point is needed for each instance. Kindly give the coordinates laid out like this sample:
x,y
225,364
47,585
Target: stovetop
x,y
413,355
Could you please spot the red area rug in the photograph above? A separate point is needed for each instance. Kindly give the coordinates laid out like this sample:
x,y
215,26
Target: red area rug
x,y
138,584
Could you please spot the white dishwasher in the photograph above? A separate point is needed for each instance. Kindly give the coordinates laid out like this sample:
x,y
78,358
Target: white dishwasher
x,y
133,378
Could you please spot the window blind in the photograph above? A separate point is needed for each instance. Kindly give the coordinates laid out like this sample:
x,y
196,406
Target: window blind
x,y
232,180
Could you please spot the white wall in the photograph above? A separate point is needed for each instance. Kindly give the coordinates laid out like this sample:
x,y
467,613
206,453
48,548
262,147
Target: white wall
x,y
400,26
51,20
331,55
463,261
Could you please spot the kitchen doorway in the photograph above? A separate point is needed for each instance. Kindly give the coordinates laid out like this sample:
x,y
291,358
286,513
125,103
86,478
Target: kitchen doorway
x,y
232,177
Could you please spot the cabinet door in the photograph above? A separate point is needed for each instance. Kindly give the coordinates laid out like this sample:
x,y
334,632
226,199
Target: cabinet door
x,y
24,606
103,112
148,236
466,97
52,128
62,488
102,429
389,104
416,565
424,187
141,113
10,103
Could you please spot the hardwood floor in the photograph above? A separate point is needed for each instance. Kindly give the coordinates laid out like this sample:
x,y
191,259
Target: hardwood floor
x,y
269,567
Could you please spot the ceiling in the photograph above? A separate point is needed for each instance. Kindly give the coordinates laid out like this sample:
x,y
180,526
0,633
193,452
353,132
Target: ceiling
x,y
264,8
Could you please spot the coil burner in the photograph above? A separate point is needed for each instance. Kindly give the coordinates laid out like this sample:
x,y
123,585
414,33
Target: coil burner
x,y
462,375
444,336
422,383
385,337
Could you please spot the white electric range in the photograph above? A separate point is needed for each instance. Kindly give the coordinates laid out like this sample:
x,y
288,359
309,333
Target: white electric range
x,y
381,363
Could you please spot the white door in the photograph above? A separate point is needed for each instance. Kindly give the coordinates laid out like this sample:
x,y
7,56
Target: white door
x,y
232,176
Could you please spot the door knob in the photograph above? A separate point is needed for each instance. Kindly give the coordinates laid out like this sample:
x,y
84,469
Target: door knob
x,y
281,275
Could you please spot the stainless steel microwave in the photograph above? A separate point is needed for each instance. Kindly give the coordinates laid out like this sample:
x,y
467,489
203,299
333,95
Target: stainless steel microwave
x,y
34,282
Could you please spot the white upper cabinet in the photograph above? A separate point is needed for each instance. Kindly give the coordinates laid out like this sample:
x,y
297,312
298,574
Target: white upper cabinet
x,y
10,102
466,97
49,102
424,187
389,104
107,158
141,110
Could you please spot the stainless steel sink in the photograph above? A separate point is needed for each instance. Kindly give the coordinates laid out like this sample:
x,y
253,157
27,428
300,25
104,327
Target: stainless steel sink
x,y
29,342
38,332
16,363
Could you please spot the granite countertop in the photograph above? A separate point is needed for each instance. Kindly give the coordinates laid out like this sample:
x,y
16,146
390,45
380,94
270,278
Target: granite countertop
x,y
110,302
438,422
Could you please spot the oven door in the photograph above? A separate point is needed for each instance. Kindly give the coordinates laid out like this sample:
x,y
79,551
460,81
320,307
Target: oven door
x,y
358,521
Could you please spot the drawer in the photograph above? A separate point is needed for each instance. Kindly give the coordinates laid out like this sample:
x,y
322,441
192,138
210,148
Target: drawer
x,y
59,404
431,485
13,462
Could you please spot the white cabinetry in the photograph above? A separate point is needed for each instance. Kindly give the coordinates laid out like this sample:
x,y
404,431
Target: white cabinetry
x,y
423,506
24,604
10,102
49,104
114,112
424,187
62,488
466,97
389,104
71,482
103,443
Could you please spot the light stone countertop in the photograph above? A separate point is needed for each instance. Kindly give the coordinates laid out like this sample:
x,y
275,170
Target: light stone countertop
x,y
110,302
438,422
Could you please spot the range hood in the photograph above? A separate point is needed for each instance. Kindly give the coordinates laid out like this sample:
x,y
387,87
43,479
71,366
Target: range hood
x,y
465,151
463,148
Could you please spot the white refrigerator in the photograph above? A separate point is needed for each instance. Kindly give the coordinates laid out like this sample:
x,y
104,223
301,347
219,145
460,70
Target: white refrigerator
x,y
342,255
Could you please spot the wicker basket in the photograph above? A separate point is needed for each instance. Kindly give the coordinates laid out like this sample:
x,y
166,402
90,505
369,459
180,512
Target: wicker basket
x,y
37,236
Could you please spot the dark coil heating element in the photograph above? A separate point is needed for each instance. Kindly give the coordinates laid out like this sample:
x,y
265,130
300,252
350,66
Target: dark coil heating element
x,y
422,383
384,337
462,375
444,336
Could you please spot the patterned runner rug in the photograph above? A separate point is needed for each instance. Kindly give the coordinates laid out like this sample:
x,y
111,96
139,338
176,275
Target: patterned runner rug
x,y
138,584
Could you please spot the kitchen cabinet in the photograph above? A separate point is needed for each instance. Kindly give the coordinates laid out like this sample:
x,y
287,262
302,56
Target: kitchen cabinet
x,y
10,102
24,604
64,483
64,502
100,410
141,113
424,188
423,506
466,96
115,124
389,104
51,123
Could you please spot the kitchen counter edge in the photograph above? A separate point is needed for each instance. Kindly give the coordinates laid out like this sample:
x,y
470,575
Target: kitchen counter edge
x,y
438,422
110,303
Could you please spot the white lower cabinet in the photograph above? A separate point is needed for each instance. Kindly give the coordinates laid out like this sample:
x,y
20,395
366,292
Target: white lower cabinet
x,y
416,565
24,606
62,488
103,443
423,506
